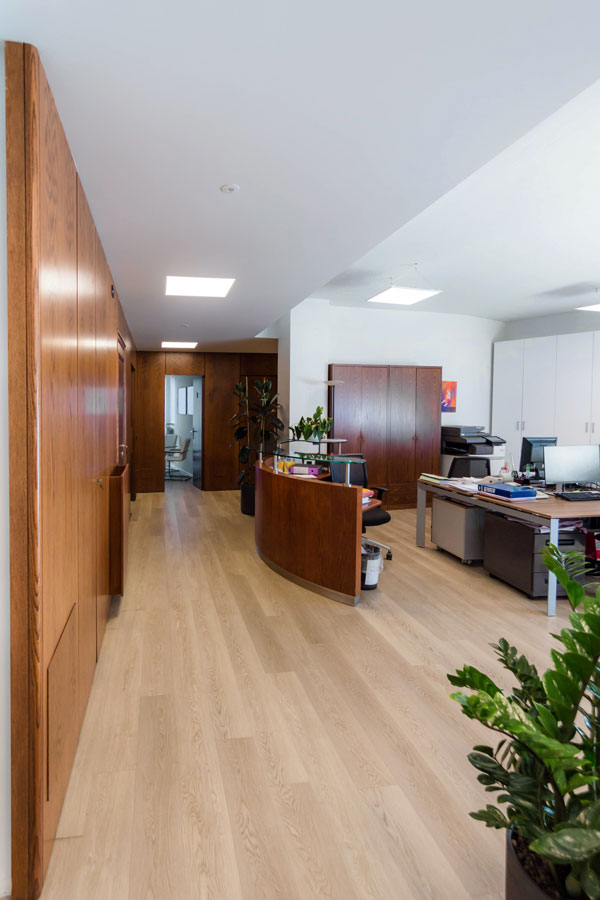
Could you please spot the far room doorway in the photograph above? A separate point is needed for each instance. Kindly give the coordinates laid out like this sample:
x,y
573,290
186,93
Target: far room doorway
x,y
183,428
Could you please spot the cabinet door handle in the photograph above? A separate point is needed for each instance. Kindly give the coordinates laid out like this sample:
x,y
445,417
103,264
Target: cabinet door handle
x,y
100,481
522,426
593,427
517,425
587,425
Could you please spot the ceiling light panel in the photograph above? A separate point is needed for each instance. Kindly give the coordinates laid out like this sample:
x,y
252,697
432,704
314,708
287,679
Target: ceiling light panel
x,y
594,308
402,296
184,286
179,345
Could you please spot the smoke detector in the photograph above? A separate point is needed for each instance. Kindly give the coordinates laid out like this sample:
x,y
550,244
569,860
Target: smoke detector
x,y
229,188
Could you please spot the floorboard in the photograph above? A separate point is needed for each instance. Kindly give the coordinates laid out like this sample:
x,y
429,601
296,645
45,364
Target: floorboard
x,y
247,739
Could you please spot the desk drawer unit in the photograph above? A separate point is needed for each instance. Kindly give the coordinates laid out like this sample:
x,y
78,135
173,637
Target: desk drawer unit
x,y
458,529
512,551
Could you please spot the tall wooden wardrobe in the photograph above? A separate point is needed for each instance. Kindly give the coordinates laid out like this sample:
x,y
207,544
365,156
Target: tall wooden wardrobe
x,y
392,416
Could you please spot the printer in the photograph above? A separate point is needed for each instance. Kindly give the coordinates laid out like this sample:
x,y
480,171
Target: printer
x,y
470,440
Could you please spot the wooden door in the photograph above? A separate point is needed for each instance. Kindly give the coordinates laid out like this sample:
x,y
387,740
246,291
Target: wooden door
x,y
220,459
402,435
374,422
574,365
428,420
86,456
345,406
123,449
507,395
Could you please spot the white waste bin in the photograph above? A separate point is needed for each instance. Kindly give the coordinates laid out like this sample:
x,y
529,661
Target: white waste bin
x,y
371,564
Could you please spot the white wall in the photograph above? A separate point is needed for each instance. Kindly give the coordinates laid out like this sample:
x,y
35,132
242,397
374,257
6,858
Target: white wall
x,y
5,881
320,333
547,326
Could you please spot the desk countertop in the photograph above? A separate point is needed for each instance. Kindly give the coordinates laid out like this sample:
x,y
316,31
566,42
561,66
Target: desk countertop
x,y
552,508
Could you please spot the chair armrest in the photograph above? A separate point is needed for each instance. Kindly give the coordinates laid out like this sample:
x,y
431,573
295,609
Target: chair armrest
x,y
379,490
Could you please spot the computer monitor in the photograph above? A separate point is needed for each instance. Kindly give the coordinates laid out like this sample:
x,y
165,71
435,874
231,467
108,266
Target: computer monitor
x,y
532,453
572,465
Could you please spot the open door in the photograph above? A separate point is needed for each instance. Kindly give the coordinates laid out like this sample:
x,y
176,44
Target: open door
x,y
197,434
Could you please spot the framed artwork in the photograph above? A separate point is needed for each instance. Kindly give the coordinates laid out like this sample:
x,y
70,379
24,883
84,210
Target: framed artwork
x,y
449,396
182,401
190,400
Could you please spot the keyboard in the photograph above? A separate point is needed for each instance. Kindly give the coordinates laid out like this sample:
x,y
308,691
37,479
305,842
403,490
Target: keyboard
x,y
578,495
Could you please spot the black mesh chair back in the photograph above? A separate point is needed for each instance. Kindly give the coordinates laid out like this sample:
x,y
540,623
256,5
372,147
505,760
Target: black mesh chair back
x,y
358,473
465,467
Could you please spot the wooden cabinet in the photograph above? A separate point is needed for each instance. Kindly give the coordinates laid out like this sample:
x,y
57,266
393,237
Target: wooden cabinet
x,y
391,415
575,360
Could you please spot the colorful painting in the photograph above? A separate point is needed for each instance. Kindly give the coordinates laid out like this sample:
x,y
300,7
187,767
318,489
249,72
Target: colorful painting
x,y
449,396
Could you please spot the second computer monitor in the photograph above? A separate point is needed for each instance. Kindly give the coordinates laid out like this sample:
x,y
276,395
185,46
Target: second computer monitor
x,y
572,465
532,452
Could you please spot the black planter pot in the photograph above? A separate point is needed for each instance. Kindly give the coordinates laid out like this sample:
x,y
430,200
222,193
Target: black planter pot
x,y
247,499
518,884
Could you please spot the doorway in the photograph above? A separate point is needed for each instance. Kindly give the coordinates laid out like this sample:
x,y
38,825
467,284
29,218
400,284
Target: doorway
x,y
183,428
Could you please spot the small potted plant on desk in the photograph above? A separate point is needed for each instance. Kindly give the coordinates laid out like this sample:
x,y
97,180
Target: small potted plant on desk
x,y
545,769
314,428
256,427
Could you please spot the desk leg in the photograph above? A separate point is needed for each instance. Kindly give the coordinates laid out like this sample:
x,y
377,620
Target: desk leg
x,y
421,512
554,523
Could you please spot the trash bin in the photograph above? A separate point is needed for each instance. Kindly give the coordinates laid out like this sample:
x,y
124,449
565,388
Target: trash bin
x,y
371,564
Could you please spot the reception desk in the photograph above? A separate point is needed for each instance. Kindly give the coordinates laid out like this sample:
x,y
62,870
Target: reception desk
x,y
309,531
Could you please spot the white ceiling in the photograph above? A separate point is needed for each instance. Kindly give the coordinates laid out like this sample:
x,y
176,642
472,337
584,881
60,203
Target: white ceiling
x,y
340,121
519,238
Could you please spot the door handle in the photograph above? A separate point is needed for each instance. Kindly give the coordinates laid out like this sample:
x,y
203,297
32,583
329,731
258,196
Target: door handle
x,y
586,427
522,426
100,481
123,446
517,425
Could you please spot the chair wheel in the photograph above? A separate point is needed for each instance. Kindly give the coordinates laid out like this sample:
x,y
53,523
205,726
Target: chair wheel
x,y
388,555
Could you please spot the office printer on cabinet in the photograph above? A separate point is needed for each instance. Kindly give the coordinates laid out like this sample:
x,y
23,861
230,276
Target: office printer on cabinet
x,y
468,442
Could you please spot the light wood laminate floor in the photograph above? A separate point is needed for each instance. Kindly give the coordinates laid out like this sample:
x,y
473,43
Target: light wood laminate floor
x,y
246,738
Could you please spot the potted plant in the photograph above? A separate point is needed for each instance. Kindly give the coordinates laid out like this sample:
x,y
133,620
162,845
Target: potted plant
x,y
544,772
313,428
256,426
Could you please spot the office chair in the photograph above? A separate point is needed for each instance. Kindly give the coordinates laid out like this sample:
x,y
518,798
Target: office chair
x,y
462,467
177,456
170,440
360,478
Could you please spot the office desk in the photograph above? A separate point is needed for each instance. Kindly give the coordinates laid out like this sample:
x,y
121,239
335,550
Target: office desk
x,y
309,531
538,512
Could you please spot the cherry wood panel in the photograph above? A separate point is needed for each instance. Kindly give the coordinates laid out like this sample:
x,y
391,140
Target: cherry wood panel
x,y
219,460
105,446
86,441
428,420
310,529
261,365
374,421
63,728
402,399
184,363
22,185
150,422
345,405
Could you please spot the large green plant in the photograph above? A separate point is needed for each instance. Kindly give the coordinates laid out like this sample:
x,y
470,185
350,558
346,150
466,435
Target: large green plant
x,y
256,424
545,769
313,427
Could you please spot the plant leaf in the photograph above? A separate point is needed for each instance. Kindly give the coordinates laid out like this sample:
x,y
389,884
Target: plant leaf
x,y
568,845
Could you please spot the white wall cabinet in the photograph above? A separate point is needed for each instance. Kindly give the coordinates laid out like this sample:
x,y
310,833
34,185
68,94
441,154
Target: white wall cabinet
x,y
547,386
523,402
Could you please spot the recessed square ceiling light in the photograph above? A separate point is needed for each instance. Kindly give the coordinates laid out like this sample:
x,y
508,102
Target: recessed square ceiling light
x,y
182,286
403,296
594,308
179,345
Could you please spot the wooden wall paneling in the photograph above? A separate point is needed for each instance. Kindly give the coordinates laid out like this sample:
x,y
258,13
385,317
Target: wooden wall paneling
x,y
130,364
402,435
428,420
63,727
220,460
150,422
374,421
22,184
105,447
261,365
345,405
86,455
184,363
58,433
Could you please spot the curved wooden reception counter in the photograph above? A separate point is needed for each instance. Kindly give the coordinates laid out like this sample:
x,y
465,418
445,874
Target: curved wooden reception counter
x,y
309,531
